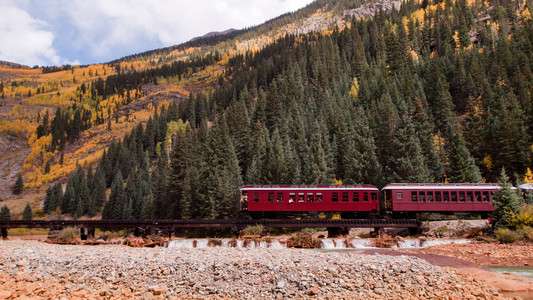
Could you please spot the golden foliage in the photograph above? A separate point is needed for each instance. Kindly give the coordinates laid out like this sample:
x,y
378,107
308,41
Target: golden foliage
x,y
528,177
354,89
526,14
487,161
337,181
21,128
523,218
439,146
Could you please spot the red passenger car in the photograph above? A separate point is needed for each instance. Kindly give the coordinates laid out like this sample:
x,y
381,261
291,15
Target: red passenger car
x,y
309,198
439,197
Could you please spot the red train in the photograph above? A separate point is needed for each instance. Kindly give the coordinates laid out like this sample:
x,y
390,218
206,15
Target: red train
x,y
365,199
309,198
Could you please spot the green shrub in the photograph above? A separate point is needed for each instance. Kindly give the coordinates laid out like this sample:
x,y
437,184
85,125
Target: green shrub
x,y
67,234
442,229
523,218
527,233
254,230
506,235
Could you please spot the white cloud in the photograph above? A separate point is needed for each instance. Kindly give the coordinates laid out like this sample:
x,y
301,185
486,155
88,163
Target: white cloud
x,y
112,24
24,39
103,30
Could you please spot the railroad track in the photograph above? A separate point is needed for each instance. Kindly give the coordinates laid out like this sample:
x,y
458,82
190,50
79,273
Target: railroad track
x,y
234,224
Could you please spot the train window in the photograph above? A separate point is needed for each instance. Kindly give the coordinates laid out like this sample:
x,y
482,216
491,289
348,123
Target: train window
x,y
280,197
344,196
492,194
414,196
470,196
256,197
446,196
478,196
399,195
462,196
334,197
318,197
355,197
365,197
485,196
292,196
374,196
438,196
270,197
301,197
422,197
454,196
430,196
310,197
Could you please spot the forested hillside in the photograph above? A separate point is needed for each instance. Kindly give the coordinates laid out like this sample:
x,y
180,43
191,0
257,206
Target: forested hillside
x,y
435,91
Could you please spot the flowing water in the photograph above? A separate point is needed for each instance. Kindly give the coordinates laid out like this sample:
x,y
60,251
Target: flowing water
x,y
520,271
326,244
225,243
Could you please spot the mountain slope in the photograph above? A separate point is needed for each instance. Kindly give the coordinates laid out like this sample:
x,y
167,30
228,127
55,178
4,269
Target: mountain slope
x,y
417,94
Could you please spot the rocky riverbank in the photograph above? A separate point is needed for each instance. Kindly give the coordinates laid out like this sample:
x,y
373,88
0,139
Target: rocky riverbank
x,y
486,254
38,270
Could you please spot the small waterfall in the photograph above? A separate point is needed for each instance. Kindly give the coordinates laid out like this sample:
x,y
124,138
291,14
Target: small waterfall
x,y
433,242
250,244
333,244
361,243
327,244
202,243
408,243
226,243
188,244
340,243
275,244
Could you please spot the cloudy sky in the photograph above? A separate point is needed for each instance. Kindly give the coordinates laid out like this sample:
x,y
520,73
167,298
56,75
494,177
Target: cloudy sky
x,y
57,32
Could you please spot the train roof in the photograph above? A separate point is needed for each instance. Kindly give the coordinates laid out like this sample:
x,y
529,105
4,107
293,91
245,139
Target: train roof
x,y
445,186
367,187
526,186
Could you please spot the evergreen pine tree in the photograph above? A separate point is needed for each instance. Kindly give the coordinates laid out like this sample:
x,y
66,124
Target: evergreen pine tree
x,y
116,205
27,214
148,209
5,213
98,191
68,202
507,202
462,167
57,196
19,185
48,202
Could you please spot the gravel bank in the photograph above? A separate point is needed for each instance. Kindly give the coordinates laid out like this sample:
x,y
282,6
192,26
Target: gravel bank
x,y
38,270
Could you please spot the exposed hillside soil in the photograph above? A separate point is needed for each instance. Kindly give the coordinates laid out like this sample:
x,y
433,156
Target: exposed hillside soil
x,y
13,150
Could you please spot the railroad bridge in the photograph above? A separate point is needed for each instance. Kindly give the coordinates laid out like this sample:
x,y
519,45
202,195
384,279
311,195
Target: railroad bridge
x,y
87,227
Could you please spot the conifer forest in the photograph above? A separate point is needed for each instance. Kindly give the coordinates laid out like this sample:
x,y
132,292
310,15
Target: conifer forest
x,y
437,91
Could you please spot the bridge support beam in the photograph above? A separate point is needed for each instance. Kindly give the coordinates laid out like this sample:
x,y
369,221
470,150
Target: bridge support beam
x,y
83,234
90,232
4,233
337,231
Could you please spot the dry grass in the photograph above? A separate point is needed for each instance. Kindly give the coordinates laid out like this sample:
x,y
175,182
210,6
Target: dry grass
x,y
17,203
26,231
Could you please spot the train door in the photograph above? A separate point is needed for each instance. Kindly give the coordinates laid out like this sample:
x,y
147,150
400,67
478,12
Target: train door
x,y
243,203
